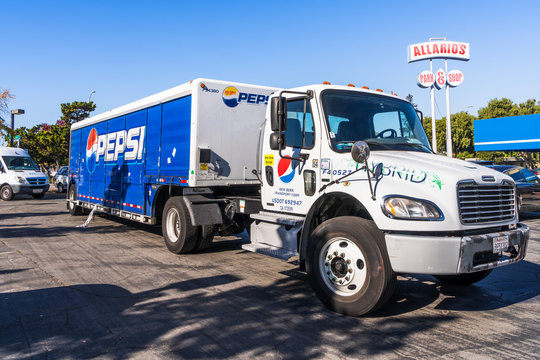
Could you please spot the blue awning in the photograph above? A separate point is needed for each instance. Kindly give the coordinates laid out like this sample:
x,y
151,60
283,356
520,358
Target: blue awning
x,y
508,133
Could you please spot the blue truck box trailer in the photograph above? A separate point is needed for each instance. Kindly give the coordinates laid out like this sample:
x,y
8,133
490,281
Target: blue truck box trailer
x,y
128,160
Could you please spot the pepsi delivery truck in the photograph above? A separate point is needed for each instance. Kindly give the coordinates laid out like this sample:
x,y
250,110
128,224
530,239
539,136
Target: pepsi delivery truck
x,y
340,178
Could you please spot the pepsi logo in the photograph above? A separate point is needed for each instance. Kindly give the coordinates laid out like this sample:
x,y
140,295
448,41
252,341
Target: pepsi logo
x,y
230,96
285,170
91,150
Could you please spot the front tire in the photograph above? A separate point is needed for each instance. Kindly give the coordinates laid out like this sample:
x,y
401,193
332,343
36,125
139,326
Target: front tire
x,y
178,232
348,265
6,193
464,279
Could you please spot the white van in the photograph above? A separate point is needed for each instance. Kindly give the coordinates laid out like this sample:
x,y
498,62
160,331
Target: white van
x,y
19,174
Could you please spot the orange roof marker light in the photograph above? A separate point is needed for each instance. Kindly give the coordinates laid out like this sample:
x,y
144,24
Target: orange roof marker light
x,y
326,83
365,87
379,90
351,85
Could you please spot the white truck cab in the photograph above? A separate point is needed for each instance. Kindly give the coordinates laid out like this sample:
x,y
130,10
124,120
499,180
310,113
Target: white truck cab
x,y
351,185
19,174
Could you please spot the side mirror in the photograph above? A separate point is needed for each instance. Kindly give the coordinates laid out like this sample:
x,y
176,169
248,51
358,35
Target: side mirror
x,y
360,151
420,115
278,114
277,141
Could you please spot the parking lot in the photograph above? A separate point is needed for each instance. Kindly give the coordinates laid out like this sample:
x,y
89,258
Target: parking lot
x,y
113,290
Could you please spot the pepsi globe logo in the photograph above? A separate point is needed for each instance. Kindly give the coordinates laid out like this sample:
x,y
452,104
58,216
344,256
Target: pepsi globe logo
x,y
285,170
91,150
230,96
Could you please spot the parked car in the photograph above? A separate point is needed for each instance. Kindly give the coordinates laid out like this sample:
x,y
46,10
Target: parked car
x,y
528,185
536,171
61,179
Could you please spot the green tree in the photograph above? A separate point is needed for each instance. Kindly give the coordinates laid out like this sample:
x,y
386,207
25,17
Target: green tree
x,y
440,132
76,111
462,134
498,108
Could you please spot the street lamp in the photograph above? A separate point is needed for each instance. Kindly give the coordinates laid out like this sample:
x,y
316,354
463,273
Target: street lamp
x,y
92,93
13,113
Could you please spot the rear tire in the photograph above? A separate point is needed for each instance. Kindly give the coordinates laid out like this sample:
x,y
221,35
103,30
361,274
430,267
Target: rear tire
x,y
205,236
179,234
348,265
464,279
6,193
74,210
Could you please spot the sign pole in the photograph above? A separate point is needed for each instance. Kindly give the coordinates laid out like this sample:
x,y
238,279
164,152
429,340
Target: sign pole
x,y
433,126
448,120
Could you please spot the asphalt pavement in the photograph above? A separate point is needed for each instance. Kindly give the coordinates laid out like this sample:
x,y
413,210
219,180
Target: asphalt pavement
x,y
113,291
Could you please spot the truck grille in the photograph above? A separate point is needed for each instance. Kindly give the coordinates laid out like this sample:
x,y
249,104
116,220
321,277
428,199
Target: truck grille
x,y
37,181
480,204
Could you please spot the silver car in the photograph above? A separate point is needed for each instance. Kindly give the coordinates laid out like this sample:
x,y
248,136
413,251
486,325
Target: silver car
x,y
61,179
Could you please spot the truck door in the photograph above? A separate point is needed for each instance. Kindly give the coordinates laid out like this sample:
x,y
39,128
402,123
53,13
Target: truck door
x,y
291,185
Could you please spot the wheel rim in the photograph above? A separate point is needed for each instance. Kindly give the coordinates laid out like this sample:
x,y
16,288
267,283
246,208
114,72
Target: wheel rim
x,y
5,193
343,266
60,188
173,225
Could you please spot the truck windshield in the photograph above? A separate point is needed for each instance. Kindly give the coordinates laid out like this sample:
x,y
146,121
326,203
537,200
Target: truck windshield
x,y
384,123
19,163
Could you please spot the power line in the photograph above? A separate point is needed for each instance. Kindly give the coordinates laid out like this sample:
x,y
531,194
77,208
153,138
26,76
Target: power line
x,y
437,105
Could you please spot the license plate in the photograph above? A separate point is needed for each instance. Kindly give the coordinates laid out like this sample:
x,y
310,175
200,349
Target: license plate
x,y
37,191
500,244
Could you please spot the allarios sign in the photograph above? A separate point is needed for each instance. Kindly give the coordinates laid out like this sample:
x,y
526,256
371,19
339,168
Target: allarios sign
x,y
441,49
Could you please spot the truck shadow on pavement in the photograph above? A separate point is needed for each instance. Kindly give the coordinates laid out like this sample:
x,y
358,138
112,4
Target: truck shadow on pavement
x,y
218,317
191,320
503,287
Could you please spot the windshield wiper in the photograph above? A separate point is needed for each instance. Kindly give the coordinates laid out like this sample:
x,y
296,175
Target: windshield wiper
x,y
422,146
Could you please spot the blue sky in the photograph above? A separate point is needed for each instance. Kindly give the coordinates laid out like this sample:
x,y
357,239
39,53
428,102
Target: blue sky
x,y
60,51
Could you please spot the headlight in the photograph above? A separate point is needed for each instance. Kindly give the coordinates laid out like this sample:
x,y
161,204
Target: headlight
x,y
21,180
411,209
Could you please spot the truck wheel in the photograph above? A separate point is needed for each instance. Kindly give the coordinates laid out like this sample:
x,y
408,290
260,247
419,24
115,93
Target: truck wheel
x,y
205,236
6,193
348,265
73,209
464,279
179,234
38,196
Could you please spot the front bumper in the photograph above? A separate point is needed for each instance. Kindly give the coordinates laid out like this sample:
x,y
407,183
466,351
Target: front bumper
x,y
29,189
450,255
